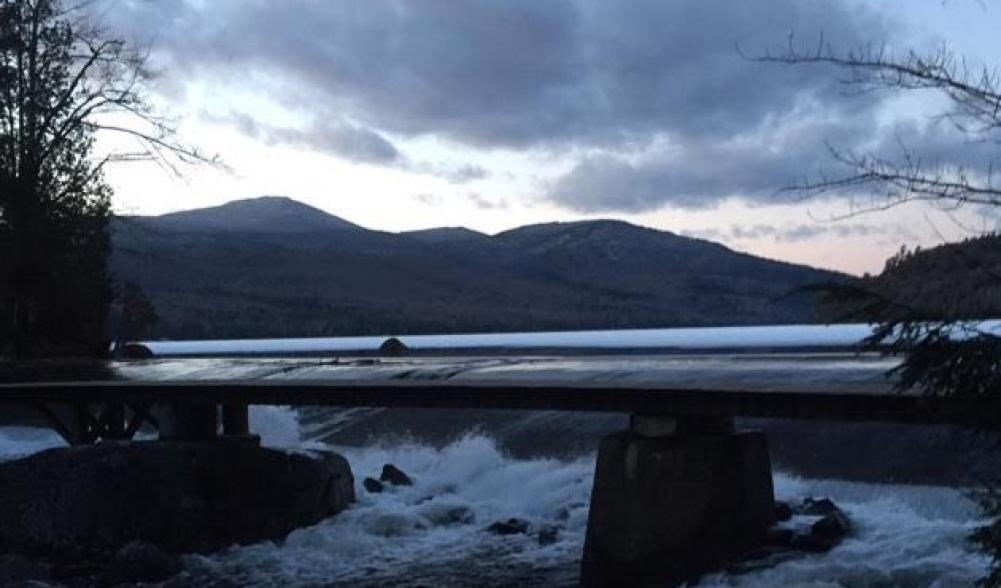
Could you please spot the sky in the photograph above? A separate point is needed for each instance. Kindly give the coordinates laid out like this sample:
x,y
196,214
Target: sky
x,y
491,114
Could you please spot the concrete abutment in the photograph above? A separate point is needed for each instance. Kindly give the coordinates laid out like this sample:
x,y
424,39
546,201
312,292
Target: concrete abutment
x,y
673,499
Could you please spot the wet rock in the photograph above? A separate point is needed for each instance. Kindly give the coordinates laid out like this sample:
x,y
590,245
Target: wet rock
x,y
783,512
140,561
181,496
814,507
18,570
133,351
834,525
548,535
392,347
395,476
509,527
825,534
813,543
373,486
779,537
446,515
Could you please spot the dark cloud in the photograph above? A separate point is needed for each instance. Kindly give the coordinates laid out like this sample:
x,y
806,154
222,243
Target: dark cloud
x,y
512,72
651,96
760,165
343,140
348,142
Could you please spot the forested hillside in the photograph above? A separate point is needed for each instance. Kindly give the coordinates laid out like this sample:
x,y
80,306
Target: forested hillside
x,y
273,267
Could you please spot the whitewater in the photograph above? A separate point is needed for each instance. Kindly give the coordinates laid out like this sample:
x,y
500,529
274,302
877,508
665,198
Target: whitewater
x,y
433,533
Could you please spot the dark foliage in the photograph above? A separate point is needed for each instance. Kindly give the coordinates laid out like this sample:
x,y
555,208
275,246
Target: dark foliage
x,y
54,205
61,77
138,314
923,301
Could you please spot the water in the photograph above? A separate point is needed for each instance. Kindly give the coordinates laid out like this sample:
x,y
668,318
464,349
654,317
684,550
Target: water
x,y
432,533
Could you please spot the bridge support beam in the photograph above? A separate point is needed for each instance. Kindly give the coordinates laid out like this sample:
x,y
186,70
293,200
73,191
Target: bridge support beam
x,y
673,499
189,421
235,420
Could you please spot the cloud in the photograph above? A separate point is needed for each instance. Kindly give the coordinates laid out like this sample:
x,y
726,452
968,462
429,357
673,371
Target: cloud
x,y
484,203
795,233
760,165
512,73
649,100
350,142
428,199
452,173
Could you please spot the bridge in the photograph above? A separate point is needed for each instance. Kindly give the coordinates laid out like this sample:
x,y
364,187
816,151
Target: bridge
x,y
678,493
828,386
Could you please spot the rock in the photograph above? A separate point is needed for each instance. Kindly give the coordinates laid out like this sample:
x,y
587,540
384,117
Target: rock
x,y
392,347
395,476
446,515
819,508
834,525
181,496
548,535
813,543
778,537
825,534
17,570
140,561
509,527
373,486
783,512
133,351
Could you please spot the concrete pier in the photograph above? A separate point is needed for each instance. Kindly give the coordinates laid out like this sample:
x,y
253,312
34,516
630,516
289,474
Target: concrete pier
x,y
674,499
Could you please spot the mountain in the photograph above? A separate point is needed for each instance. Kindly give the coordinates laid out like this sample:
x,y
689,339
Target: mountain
x,y
446,235
272,214
272,267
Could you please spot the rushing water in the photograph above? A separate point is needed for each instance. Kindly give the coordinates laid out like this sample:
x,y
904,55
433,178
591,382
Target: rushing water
x,y
432,533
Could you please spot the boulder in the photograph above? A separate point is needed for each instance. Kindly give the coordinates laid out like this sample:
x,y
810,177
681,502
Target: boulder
x,y
779,537
509,527
395,476
446,515
93,500
17,570
548,535
133,351
818,508
783,512
834,525
373,486
140,561
392,347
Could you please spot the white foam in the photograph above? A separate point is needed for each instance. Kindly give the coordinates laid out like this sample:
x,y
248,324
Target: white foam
x,y
434,530
278,426
18,442
439,521
903,536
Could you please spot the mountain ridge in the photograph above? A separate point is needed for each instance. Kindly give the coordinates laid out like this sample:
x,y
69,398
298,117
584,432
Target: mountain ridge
x,y
246,270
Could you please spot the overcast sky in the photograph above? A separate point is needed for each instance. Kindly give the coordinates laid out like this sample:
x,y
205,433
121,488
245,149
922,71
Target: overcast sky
x,y
490,114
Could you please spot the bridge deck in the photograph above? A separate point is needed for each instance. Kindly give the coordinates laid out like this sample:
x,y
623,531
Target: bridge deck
x,y
810,386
